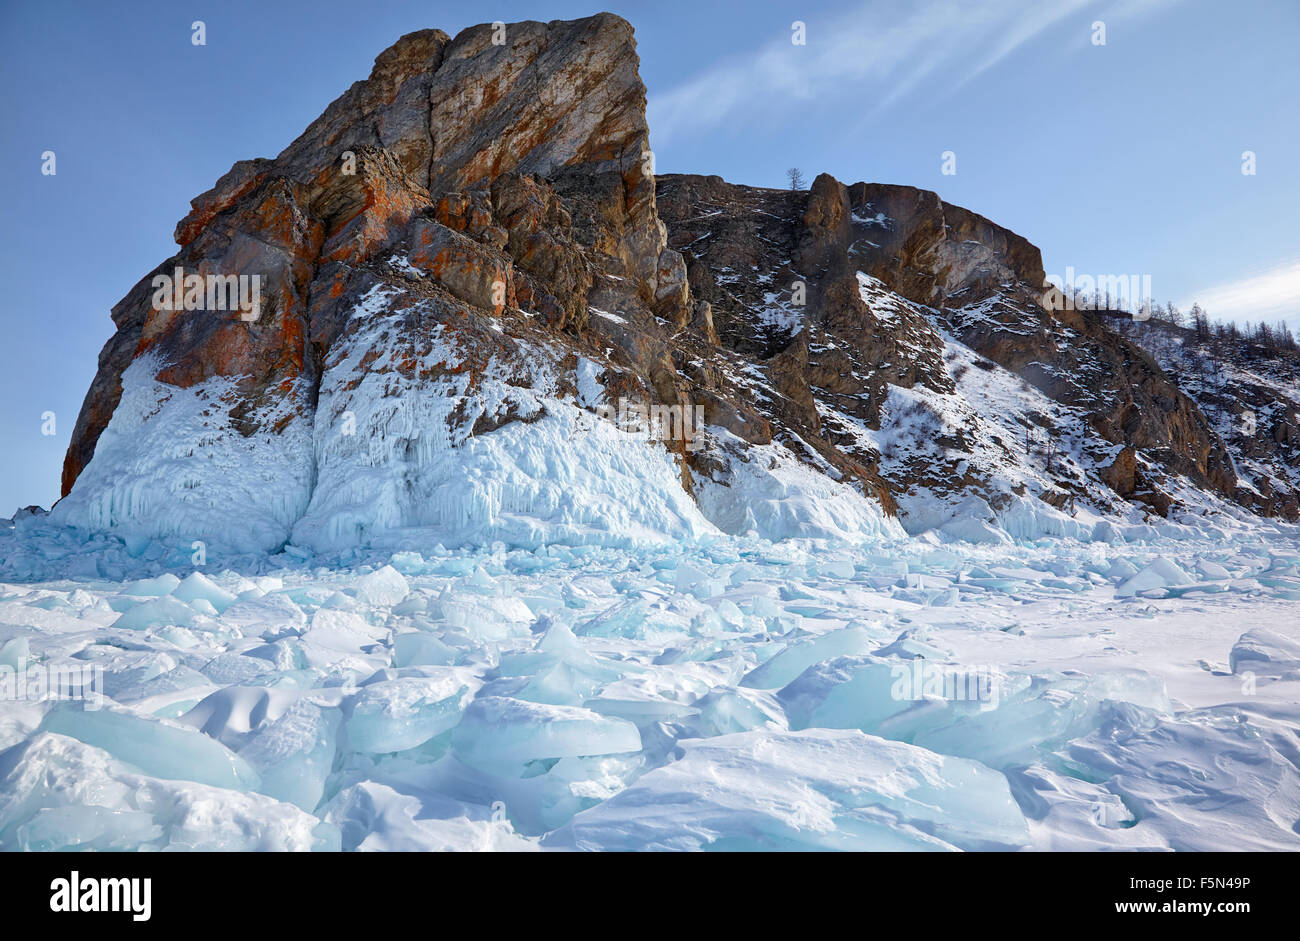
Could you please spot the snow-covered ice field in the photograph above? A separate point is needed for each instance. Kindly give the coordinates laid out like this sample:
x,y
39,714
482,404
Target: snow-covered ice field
x,y
1137,693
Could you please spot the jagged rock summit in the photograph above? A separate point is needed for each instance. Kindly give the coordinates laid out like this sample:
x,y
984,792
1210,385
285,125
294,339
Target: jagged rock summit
x,y
473,199
463,271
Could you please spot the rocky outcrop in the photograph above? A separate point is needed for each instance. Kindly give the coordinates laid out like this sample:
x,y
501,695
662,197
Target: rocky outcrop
x,y
883,271
933,252
1249,396
467,252
437,118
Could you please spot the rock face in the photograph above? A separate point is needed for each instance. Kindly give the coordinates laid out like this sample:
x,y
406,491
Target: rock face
x,y
457,115
906,292
463,178
464,261
1250,396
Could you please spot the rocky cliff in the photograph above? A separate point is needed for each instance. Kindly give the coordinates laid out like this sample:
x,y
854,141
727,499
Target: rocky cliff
x,y
466,265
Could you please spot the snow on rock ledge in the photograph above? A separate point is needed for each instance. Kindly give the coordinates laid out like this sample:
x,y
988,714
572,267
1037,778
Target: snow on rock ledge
x,y
411,450
765,491
171,465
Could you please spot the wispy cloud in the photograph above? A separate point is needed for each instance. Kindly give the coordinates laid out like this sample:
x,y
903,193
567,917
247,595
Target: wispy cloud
x,y
881,52
1271,296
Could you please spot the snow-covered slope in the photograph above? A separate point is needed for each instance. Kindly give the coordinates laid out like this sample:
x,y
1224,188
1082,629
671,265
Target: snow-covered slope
x,y
173,465
422,437
403,457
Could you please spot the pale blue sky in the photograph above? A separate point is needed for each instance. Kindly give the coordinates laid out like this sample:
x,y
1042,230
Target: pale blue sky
x,y
1115,159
